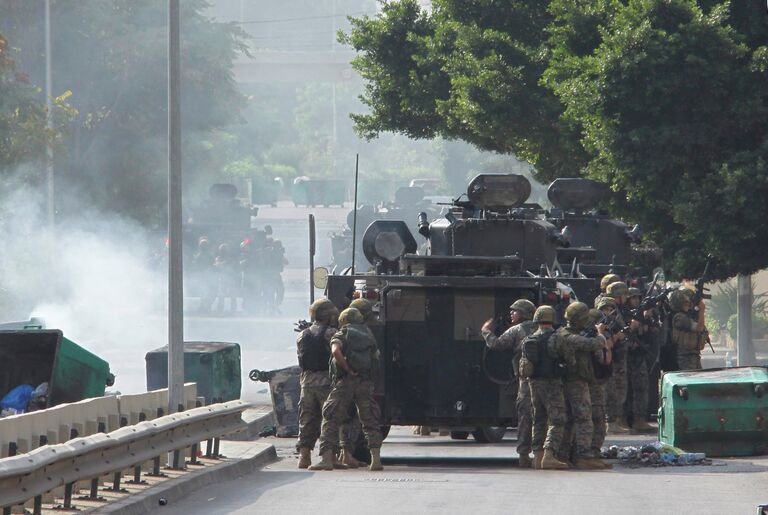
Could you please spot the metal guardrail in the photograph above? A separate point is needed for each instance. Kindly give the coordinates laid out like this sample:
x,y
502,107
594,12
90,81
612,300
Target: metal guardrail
x,y
30,475
28,431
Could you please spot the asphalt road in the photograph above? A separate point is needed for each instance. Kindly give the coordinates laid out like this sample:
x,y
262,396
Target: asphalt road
x,y
440,475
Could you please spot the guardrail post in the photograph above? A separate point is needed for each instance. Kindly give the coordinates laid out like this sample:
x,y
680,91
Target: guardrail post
x,y
12,450
193,451
118,474
176,459
156,460
69,487
137,469
38,506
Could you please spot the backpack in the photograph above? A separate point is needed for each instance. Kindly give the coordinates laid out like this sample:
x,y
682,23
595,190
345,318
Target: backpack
x,y
359,348
536,353
313,351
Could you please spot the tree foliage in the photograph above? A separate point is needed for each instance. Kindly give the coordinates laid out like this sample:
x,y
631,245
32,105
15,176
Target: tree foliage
x,y
24,134
665,100
112,57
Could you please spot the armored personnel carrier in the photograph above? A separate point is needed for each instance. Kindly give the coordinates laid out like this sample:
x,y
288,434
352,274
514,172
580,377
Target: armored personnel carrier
x,y
486,252
598,243
409,202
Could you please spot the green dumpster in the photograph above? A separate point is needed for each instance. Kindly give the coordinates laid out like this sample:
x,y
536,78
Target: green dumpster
x,y
214,366
318,192
264,191
34,357
720,412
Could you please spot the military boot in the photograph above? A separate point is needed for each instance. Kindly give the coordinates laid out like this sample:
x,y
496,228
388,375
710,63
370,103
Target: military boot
x,y
641,426
525,461
603,464
622,422
549,462
537,456
337,463
375,460
326,462
349,460
615,429
582,463
305,457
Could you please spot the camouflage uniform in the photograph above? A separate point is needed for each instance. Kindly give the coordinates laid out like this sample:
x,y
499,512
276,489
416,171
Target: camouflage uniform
x,y
597,395
549,415
638,378
617,383
512,339
688,340
347,390
315,387
579,427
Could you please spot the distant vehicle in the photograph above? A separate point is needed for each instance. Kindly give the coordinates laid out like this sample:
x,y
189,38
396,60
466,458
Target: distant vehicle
x,y
429,185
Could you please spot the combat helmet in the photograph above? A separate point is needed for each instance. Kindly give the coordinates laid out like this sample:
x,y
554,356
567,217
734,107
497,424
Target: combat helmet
x,y
608,279
544,314
635,292
364,306
524,307
323,310
350,316
677,300
606,302
577,314
617,289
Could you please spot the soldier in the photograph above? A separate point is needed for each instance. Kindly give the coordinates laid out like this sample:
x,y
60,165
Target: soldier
x,y
520,312
542,362
579,426
688,335
637,366
346,432
617,384
355,362
604,282
313,346
601,361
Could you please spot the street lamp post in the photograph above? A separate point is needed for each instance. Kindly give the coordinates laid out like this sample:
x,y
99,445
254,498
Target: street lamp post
x,y
175,277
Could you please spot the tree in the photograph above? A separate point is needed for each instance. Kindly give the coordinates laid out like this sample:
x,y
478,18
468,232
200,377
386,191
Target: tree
x,y
662,99
112,56
465,70
673,108
24,135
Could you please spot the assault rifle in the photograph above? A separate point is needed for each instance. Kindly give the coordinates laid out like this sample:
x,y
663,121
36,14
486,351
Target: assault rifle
x,y
702,292
699,294
301,325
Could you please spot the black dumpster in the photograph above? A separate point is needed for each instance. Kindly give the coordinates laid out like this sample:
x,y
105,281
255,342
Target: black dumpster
x,y
214,366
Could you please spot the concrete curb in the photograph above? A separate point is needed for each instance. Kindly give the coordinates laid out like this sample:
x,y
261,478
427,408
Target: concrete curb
x,y
177,488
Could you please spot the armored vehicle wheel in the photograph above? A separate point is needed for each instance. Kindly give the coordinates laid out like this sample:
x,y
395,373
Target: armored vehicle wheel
x,y
459,435
489,434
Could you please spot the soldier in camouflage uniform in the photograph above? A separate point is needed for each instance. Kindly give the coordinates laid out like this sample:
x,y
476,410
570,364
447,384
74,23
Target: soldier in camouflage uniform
x,y
597,388
314,350
604,282
520,312
351,427
579,427
355,363
540,352
617,384
637,367
688,335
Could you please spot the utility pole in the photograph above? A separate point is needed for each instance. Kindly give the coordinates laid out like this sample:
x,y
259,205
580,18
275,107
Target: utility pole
x,y
745,350
49,122
175,278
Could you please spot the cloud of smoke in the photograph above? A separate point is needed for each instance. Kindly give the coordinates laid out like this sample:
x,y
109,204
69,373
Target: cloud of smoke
x,y
92,279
